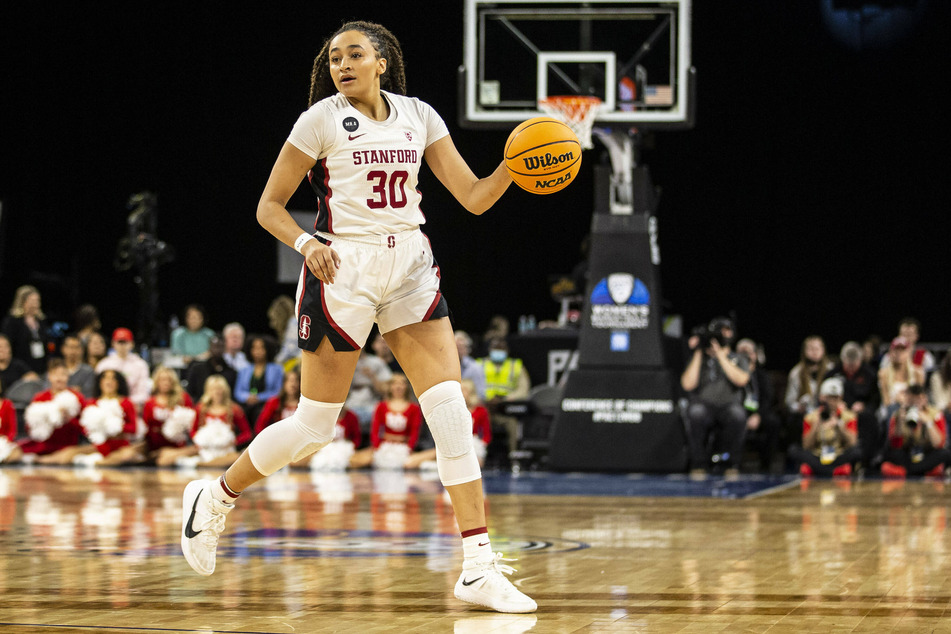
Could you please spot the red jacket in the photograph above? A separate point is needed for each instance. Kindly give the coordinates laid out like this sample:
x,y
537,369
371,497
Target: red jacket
x,y
68,435
8,420
128,427
406,424
155,416
239,422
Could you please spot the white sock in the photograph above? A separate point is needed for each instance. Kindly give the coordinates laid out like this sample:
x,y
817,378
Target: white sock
x,y
476,548
222,492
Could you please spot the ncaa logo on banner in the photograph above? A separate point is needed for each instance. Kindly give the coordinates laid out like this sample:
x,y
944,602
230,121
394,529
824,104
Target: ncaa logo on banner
x,y
304,331
620,301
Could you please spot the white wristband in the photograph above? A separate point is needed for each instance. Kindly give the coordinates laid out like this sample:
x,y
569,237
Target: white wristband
x,y
301,240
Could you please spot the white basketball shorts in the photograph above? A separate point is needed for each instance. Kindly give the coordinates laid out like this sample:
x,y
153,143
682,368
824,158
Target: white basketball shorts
x,y
392,280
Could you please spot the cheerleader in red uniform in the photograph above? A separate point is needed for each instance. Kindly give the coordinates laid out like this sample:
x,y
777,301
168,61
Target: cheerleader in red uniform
x,y
169,416
9,450
395,428
481,430
52,421
109,422
220,427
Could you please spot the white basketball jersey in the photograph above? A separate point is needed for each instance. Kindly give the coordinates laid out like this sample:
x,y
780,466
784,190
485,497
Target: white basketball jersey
x,y
367,171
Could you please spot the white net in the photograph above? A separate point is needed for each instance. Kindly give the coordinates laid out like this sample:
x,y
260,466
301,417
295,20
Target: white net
x,y
577,112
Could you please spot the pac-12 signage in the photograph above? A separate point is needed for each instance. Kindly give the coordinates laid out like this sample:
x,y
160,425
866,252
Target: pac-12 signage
x,y
620,301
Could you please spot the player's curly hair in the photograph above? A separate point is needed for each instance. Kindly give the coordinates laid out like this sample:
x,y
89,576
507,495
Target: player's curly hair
x,y
385,45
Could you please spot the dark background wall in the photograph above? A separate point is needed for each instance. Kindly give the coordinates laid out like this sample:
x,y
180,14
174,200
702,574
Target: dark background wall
x,y
811,196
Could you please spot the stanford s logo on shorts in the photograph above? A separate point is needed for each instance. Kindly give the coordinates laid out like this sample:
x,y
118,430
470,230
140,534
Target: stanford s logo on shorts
x,y
391,241
304,331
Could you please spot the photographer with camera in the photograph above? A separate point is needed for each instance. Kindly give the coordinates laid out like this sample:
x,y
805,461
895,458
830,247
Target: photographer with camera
x,y
916,436
714,380
830,434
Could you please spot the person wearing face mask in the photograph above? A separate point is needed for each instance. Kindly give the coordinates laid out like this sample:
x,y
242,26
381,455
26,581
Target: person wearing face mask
x,y
506,379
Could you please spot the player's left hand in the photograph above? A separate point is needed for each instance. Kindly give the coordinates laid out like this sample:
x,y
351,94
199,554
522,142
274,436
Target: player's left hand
x,y
322,260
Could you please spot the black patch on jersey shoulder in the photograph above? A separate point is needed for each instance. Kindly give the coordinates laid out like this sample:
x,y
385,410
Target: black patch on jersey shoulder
x,y
350,124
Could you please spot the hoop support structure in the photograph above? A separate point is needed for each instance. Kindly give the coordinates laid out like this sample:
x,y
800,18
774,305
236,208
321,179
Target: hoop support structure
x,y
620,145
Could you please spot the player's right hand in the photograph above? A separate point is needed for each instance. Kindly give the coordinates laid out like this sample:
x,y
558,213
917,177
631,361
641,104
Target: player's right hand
x,y
322,261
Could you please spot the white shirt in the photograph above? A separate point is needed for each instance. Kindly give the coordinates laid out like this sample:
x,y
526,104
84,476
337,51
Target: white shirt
x,y
367,171
136,373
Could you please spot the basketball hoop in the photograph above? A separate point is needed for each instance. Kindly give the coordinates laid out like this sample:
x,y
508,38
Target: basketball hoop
x,y
577,112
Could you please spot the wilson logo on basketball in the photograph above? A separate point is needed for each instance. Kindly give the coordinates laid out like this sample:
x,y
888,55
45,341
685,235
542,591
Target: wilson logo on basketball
x,y
304,332
548,160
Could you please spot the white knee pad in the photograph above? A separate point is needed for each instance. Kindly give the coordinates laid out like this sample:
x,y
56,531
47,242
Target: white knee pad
x,y
445,411
308,430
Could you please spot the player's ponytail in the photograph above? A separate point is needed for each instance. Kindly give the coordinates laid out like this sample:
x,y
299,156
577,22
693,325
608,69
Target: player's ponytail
x,y
385,45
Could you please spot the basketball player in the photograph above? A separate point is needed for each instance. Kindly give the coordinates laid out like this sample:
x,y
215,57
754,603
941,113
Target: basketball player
x,y
361,143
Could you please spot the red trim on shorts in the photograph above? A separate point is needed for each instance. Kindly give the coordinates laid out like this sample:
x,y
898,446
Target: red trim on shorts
x,y
475,531
330,320
432,307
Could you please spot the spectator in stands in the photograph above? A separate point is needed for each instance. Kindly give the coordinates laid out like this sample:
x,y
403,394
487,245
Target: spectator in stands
x,y
802,384
260,380
898,372
233,335
397,421
941,385
368,387
191,341
52,418
81,375
109,422
382,350
481,430
871,351
860,395
26,329
132,366
506,379
221,427
909,328
917,433
471,369
498,328
763,426
282,318
714,380
96,349
86,322
829,435
9,450
215,364
11,369
169,417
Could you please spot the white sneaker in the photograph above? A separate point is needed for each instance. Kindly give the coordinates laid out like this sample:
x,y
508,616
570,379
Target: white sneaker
x,y
485,584
203,519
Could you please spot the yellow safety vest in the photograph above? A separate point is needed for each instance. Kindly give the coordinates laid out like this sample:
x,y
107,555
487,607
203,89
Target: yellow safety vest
x,y
501,379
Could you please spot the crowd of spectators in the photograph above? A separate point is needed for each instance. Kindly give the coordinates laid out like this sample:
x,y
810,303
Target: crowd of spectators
x,y
89,398
874,408
85,397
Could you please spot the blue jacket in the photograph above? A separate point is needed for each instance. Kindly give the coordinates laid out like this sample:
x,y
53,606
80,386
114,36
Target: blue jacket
x,y
273,377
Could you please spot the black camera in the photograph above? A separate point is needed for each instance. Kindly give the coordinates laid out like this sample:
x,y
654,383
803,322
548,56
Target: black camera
x,y
826,412
708,333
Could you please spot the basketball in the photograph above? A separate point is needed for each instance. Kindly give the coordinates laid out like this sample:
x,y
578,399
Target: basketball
x,y
543,155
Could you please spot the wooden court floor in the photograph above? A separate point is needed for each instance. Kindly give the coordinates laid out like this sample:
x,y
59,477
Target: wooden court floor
x,y
85,550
